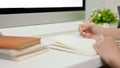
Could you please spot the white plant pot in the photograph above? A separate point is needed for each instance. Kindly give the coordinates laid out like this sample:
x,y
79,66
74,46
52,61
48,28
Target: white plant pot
x,y
113,25
107,25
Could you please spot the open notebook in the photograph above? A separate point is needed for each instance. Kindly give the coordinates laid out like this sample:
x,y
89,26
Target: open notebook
x,y
74,44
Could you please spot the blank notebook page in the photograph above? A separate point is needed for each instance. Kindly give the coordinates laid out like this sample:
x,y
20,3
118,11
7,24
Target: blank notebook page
x,y
82,45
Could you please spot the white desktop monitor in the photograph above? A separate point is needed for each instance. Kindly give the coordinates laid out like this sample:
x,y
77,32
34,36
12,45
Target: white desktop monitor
x,y
34,12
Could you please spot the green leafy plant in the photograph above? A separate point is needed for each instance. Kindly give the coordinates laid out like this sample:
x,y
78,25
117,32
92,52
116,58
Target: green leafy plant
x,y
104,16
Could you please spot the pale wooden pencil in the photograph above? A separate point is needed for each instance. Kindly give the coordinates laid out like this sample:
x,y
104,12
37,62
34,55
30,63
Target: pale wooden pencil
x,y
90,20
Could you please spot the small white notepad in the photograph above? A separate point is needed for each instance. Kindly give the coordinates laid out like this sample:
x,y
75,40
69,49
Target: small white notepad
x,y
79,45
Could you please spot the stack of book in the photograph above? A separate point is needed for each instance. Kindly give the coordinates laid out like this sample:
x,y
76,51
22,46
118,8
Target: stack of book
x,y
18,48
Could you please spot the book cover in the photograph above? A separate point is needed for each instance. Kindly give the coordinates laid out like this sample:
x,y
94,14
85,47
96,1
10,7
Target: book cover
x,y
15,42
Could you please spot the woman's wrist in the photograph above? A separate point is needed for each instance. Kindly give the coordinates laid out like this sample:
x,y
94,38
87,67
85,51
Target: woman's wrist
x,y
115,63
112,32
98,29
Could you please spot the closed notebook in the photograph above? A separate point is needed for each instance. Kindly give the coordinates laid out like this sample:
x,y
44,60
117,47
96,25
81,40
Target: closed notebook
x,y
79,45
11,54
15,42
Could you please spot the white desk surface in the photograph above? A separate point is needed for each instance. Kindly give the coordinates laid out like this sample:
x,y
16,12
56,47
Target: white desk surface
x,y
52,58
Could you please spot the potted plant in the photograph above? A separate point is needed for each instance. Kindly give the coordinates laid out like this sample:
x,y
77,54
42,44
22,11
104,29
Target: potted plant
x,y
105,16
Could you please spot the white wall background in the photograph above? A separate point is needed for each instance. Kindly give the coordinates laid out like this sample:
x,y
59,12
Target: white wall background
x,y
91,5
112,4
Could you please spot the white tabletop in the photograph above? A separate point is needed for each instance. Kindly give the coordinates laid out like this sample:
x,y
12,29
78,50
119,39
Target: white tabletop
x,y
54,59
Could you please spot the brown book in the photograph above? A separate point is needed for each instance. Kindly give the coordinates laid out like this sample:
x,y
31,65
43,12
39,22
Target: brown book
x,y
15,42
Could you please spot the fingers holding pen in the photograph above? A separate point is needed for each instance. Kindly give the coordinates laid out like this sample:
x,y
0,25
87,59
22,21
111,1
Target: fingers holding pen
x,y
82,29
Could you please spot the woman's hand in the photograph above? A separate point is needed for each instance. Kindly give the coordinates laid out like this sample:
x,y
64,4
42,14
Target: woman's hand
x,y
90,30
108,49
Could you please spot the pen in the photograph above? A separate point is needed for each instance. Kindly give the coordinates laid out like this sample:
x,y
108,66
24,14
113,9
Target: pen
x,y
90,20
